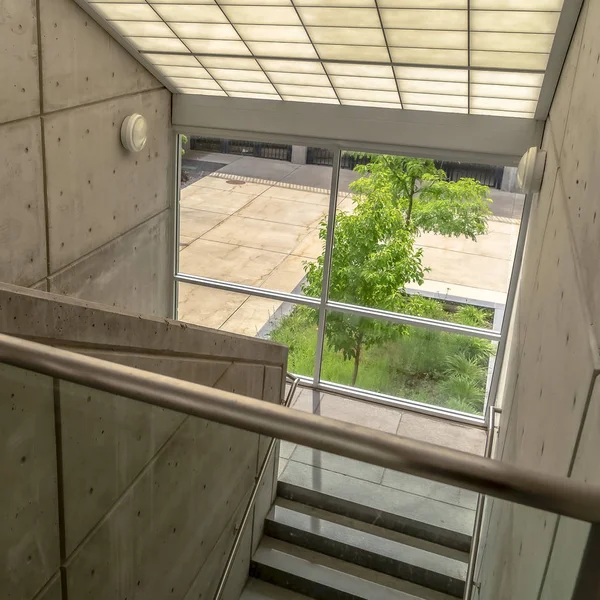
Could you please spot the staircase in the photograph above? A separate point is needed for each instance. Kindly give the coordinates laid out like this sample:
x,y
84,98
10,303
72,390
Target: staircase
x,y
341,538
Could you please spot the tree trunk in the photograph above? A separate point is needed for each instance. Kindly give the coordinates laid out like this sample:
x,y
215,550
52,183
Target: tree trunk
x,y
356,360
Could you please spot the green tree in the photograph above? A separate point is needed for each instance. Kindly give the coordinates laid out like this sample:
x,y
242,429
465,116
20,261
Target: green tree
x,y
375,255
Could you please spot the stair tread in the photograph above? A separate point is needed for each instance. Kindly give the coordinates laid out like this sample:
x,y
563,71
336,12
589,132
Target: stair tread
x,y
261,590
373,529
373,502
368,542
338,575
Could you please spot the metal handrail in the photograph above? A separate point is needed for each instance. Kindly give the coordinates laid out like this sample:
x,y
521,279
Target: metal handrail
x,y
551,493
248,510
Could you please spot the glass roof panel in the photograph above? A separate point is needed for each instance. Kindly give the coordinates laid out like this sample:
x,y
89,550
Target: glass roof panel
x,y
430,56
366,83
347,35
372,104
446,109
418,38
194,13
273,33
433,87
238,75
143,29
367,95
262,15
205,31
425,19
340,17
514,21
478,56
217,46
172,60
299,78
310,99
358,53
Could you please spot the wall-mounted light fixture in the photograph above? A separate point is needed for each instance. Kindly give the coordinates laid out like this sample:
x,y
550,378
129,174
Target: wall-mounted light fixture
x,y
134,133
531,170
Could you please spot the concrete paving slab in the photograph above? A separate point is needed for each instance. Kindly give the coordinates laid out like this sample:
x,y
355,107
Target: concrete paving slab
x,y
214,200
299,195
311,246
261,168
205,306
258,234
194,223
232,184
443,433
287,275
467,269
493,244
360,413
228,262
284,211
250,317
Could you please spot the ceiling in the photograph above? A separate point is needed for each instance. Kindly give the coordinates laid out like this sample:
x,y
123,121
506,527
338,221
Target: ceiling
x,y
486,57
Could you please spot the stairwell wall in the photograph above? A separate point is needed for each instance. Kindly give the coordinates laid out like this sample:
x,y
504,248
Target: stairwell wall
x,y
79,215
551,397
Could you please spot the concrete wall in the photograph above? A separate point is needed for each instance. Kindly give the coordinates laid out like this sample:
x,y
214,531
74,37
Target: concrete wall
x,y
111,498
80,215
551,400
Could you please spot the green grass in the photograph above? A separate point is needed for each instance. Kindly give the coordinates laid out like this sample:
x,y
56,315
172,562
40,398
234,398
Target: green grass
x,y
418,364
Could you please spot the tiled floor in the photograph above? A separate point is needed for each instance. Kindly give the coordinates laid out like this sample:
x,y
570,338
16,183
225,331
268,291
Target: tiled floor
x,y
256,222
301,462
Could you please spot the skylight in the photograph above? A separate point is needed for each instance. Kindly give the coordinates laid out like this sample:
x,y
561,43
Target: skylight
x,y
484,57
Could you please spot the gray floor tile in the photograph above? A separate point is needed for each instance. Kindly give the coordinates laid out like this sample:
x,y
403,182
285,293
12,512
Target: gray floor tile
x,y
339,464
430,489
429,513
360,413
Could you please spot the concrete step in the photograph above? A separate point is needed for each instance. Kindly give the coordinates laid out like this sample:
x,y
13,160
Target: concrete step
x,y
323,577
261,590
405,560
418,516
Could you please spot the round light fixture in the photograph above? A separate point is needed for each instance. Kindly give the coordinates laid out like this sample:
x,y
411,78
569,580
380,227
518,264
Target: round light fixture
x,y
531,170
134,133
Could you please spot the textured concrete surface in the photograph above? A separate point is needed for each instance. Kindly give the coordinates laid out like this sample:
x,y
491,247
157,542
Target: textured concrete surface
x,y
138,282
19,95
81,63
64,170
91,176
146,493
550,400
22,224
73,322
29,533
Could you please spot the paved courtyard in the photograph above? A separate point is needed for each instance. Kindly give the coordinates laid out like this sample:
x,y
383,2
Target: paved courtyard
x,y
256,222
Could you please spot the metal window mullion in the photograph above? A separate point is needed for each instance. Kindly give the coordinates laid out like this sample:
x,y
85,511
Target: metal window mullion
x,y
510,303
387,46
327,261
176,183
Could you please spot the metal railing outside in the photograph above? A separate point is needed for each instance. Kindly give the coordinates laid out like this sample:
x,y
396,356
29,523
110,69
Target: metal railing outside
x,y
551,493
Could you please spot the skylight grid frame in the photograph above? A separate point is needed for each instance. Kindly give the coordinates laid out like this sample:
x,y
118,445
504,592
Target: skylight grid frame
x,y
540,50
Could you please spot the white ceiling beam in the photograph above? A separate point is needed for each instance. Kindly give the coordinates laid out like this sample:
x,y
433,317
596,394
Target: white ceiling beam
x,y
560,46
474,138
